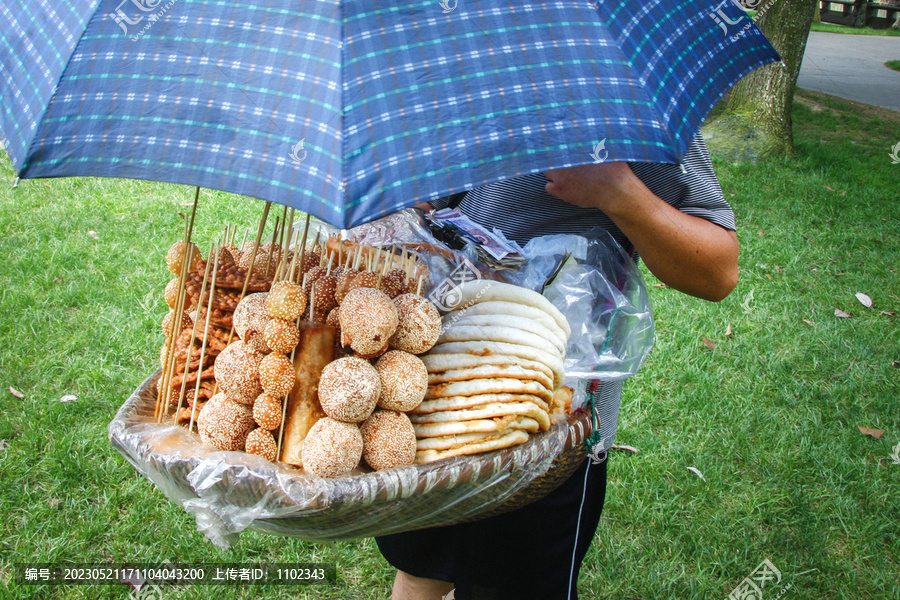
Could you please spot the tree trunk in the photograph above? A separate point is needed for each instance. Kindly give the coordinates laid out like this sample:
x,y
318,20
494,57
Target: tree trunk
x,y
756,122
816,16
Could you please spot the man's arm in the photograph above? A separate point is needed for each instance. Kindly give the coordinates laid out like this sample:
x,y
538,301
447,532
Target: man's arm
x,y
685,252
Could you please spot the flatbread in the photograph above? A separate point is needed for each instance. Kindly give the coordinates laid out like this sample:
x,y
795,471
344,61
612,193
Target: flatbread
x,y
474,387
487,348
447,428
486,290
510,321
500,307
499,333
446,442
487,411
491,371
458,402
511,438
437,363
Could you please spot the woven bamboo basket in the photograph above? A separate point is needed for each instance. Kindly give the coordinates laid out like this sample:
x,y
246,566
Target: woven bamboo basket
x,y
231,491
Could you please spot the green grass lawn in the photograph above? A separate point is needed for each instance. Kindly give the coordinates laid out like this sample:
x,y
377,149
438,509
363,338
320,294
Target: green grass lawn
x,y
893,64
770,416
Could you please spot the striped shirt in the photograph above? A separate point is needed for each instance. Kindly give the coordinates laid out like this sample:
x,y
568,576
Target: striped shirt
x,y
522,209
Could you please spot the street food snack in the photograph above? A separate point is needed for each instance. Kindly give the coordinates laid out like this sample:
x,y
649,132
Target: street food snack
x,y
332,448
224,424
267,411
276,374
262,443
237,372
349,389
250,320
404,380
368,320
286,300
302,410
388,440
176,254
281,336
418,324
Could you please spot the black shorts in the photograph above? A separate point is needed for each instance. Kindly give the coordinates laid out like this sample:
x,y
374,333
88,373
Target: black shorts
x,y
534,552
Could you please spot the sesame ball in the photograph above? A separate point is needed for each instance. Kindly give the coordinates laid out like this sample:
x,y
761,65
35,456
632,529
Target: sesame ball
x,y
169,320
368,320
250,319
177,252
313,275
262,443
349,388
286,300
334,319
323,294
267,411
171,293
237,372
389,440
332,448
343,283
281,336
393,283
226,258
418,326
365,279
404,380
277,375
224,424
267,258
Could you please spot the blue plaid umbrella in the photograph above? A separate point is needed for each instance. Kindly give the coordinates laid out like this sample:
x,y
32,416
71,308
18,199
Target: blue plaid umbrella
x,y
351,109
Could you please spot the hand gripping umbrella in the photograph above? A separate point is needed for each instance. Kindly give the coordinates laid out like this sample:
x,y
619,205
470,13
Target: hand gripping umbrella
x,y
351,109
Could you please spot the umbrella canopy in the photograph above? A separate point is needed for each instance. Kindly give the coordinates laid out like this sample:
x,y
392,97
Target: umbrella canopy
x,y
351,109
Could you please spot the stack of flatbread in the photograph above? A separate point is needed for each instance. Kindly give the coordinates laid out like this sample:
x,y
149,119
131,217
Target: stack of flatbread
x,y
493,373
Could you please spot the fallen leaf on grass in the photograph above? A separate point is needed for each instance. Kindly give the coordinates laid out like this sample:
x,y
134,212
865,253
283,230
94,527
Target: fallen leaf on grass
x,y
659,285
4,444
69,398
696,472
841,314
19,394
728,331
53,502
777,269
625,448
708,343
808,322
875,433
828,187
896,363
864,300
58,280
93,234
889,314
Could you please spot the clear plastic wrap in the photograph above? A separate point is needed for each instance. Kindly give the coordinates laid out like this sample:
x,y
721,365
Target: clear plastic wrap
x,y
228,492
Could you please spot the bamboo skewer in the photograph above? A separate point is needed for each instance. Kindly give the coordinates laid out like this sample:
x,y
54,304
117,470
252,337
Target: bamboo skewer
x,y
179,309
187,363
209,309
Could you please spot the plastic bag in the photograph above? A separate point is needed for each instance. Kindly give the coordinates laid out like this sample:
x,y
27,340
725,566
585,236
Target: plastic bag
x,y
228,492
